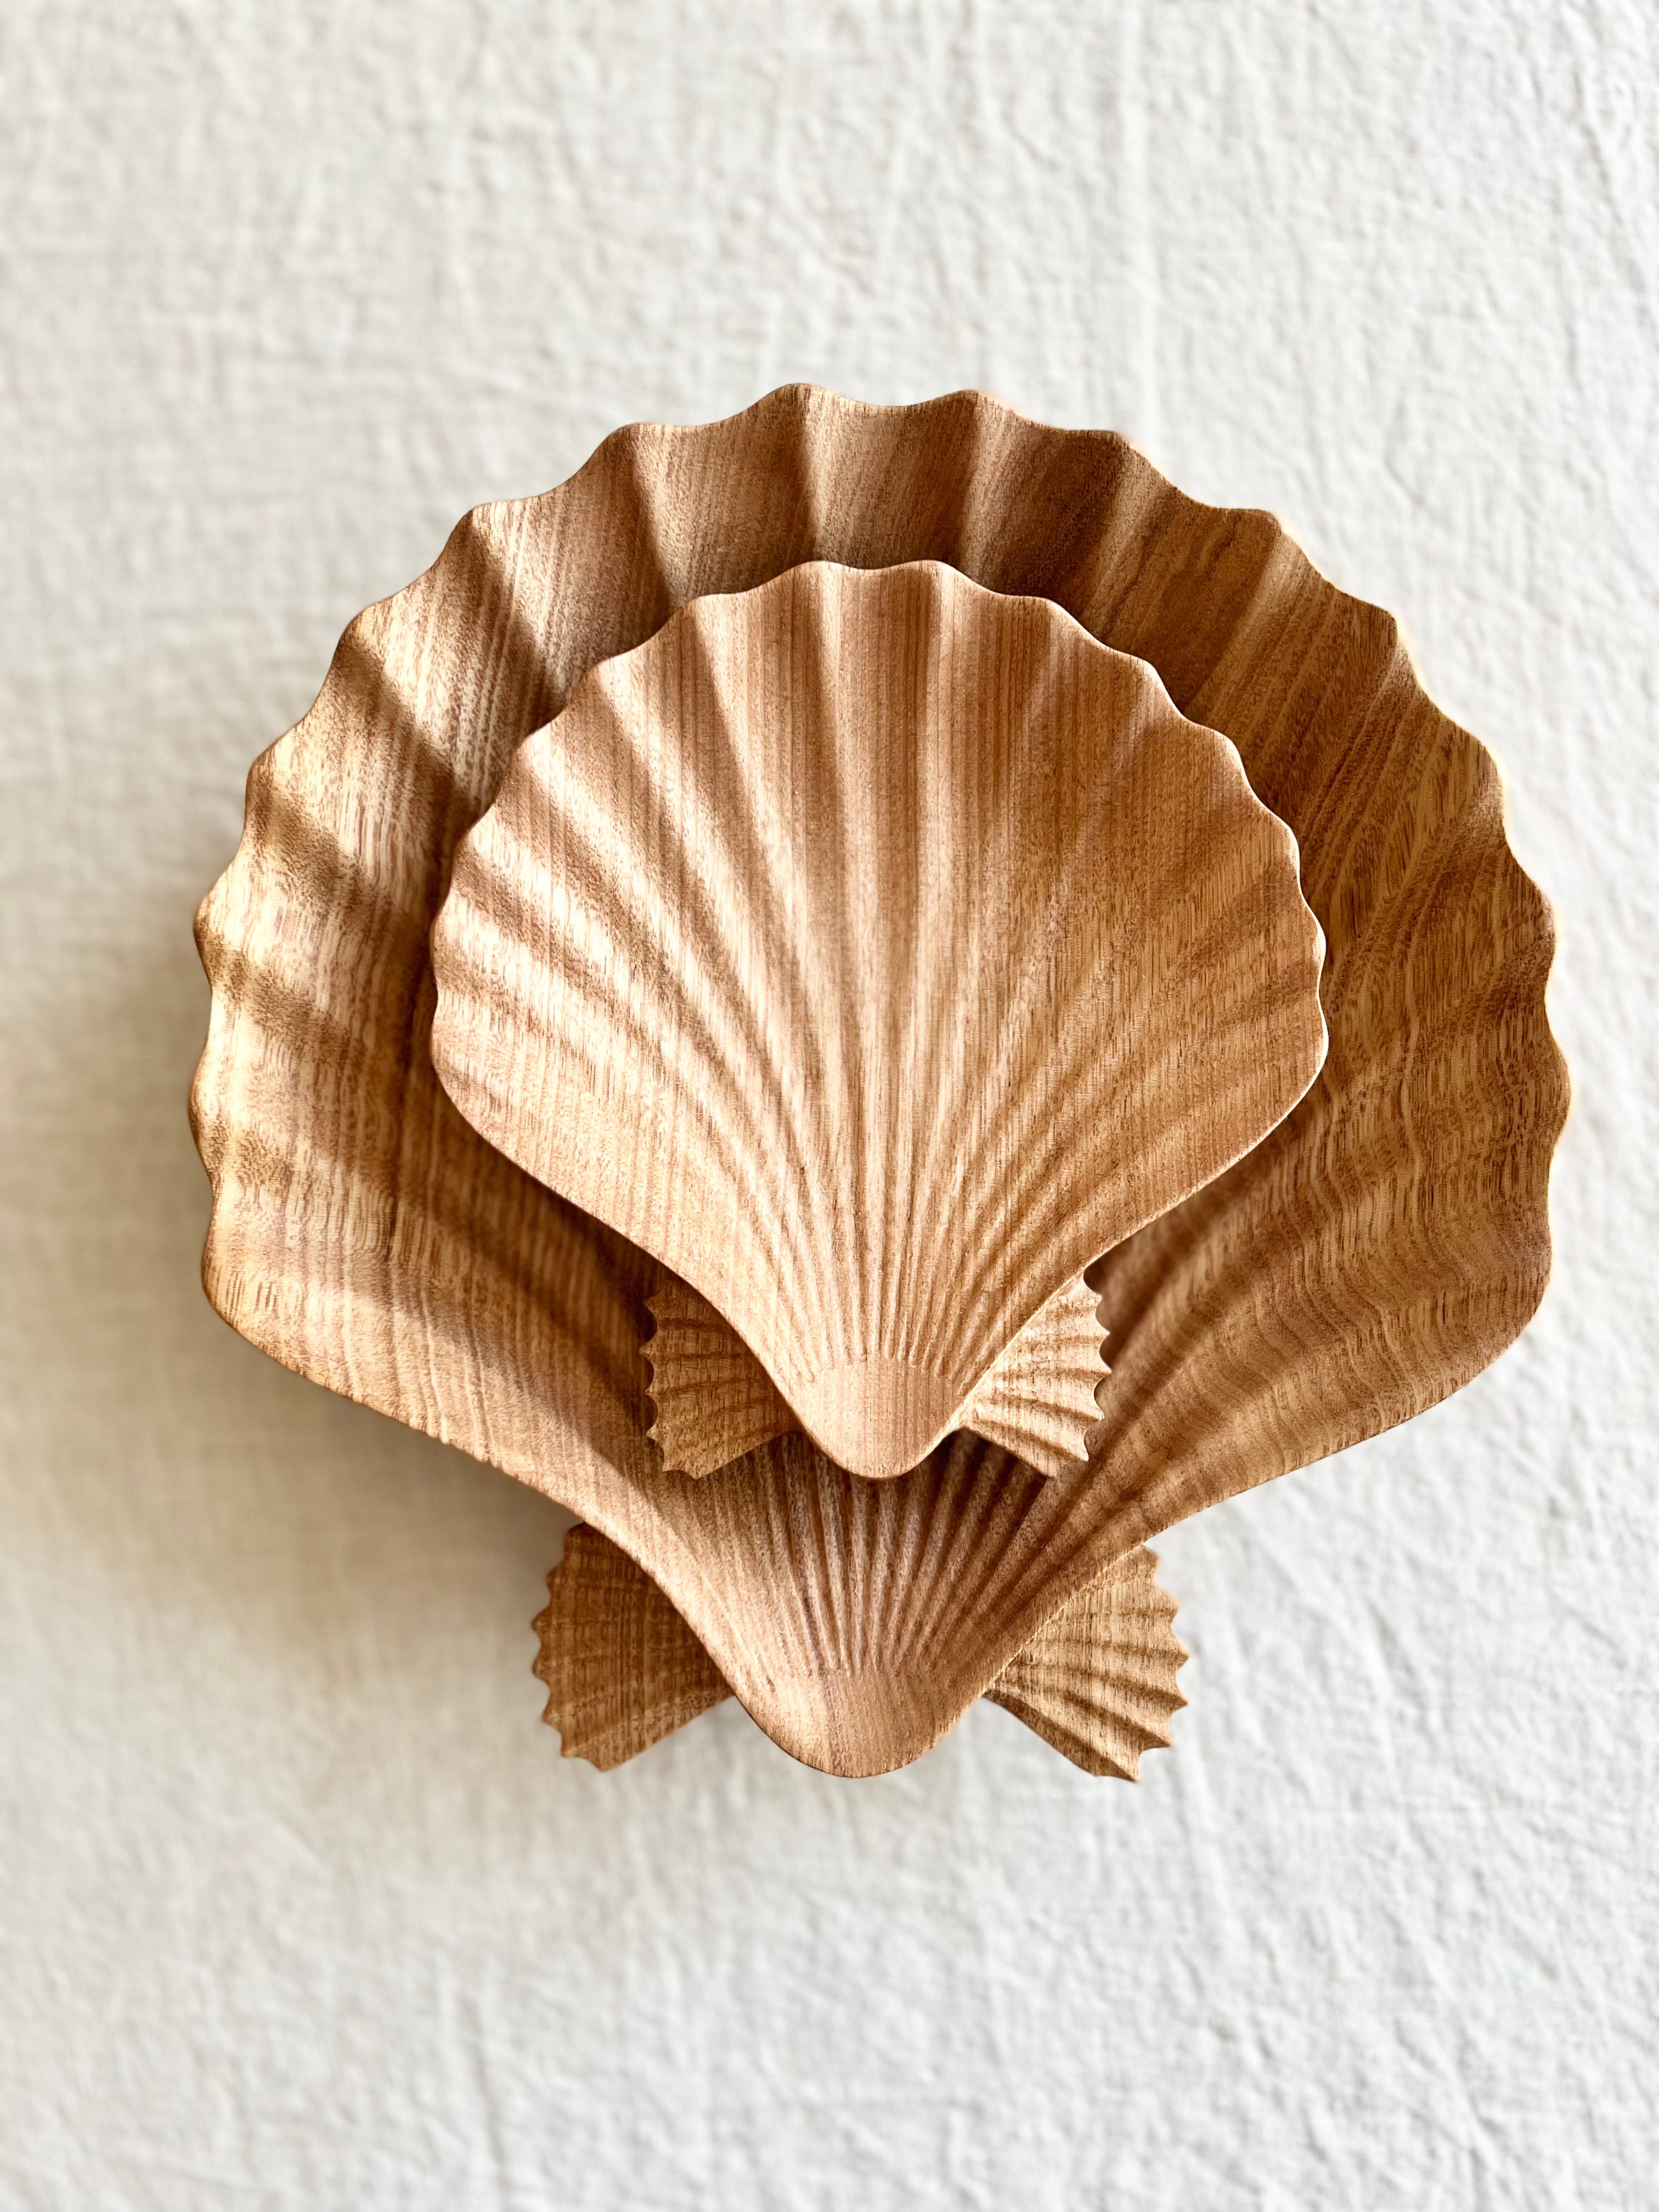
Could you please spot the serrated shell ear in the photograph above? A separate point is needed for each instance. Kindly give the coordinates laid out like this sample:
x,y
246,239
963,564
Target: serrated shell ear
x,y
712,1401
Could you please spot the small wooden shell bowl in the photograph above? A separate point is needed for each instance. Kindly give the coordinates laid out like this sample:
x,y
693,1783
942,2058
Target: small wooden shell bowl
x,y
1379,1248
878,951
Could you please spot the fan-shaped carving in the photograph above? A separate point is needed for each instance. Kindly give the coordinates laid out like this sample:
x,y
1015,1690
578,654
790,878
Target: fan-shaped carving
x,y
1097,1680
1380,1248
622,1670
1040,1400
714,1401
878,951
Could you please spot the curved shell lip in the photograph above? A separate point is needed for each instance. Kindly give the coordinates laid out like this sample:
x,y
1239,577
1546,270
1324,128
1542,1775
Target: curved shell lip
x,y
874,1409
1018,1684
629,434
1133,1519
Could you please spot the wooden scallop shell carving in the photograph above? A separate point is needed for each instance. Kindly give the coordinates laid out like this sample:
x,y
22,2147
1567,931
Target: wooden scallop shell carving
x,y
622,1670
714,1401
878,951
1379,1250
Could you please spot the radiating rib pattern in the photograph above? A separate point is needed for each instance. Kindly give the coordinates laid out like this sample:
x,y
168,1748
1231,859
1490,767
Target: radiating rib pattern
x,y
623,1669
1381,1247
1039,1402
714,1401
847,945
1097,1680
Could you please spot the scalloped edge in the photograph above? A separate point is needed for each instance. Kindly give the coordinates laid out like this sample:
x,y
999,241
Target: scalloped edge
x,y
580,1447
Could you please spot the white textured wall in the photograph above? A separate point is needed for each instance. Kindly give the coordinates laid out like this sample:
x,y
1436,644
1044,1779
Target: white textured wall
x,y
299,1906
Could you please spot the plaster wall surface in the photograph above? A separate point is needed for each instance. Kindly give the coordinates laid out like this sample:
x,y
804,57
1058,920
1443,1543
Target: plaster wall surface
x,y
300,1906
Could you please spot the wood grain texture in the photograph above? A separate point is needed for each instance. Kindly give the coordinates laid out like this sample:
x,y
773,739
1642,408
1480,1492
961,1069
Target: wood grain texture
x,y
1040,1399
878,951
623,1669
714,1401
1379,1250
1097,1680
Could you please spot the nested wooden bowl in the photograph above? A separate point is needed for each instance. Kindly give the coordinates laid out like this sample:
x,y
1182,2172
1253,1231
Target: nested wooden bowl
x,y
1379,1248
879,951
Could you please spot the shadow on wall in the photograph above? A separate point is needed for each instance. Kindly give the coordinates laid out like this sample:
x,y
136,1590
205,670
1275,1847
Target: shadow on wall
x,y
187,1466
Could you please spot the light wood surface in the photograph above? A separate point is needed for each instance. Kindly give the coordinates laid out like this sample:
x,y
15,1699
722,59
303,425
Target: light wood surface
x,y
1097,1680
714,1401
622,1670
711,1400
879,951
1379,1248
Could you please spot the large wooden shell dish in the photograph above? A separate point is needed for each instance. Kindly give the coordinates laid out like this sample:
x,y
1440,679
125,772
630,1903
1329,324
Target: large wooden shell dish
x,y
878,951
1380,1246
